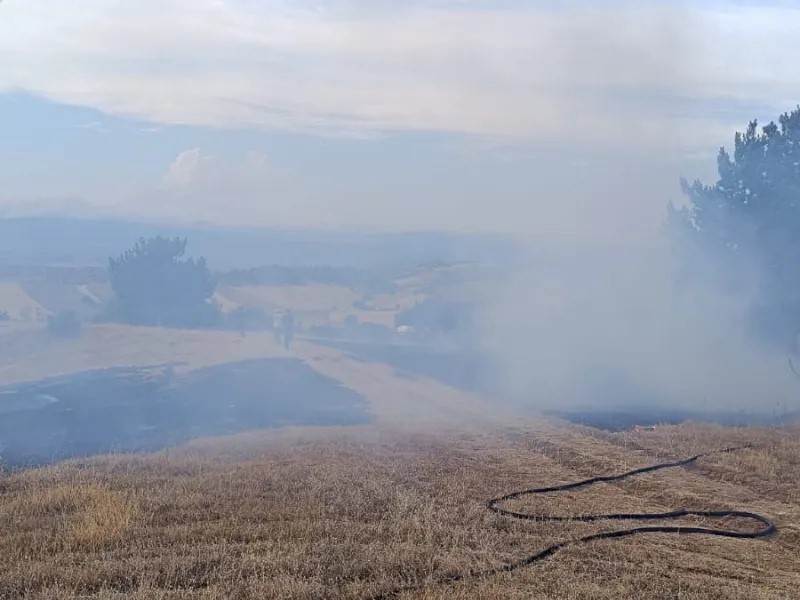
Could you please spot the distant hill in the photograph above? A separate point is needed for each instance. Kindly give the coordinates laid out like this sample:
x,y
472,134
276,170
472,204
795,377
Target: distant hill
x,y
70,241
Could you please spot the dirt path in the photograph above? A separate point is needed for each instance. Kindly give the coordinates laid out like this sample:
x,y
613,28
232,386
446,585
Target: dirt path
x,y
396,399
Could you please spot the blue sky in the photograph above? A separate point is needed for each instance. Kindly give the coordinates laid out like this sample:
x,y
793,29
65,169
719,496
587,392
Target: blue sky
x,y
447,114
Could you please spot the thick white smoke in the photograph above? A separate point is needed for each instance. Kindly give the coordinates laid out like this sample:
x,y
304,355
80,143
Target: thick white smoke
x,y
613,329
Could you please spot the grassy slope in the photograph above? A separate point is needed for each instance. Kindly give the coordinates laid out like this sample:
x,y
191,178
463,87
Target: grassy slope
x,y
324,513
15,301
317,304
32,354
348,513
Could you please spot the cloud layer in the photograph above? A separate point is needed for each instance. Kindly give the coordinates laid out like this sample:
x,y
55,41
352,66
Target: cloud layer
x,y
562,120
489,69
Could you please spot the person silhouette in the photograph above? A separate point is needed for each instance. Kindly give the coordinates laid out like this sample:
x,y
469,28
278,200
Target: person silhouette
x,y
287,323
277,324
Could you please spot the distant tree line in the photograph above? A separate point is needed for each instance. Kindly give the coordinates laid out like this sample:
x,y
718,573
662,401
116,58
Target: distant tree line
x,y
350,277
72,275
154,283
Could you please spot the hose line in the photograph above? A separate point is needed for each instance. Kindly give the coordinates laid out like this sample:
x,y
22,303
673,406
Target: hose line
x,y
494,505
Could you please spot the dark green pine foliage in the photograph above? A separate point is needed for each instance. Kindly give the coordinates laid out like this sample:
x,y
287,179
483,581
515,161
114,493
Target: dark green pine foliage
x,y
749,222
154,285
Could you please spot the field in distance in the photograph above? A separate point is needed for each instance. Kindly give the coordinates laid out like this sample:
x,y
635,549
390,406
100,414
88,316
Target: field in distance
x,y
354,512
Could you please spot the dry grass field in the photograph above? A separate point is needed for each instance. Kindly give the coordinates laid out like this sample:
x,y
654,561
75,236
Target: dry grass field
x,y
349,513
314,304
318,304
29,353
19,305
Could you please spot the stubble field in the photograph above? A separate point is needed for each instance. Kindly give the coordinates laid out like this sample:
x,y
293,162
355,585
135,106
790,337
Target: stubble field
x,y
355,512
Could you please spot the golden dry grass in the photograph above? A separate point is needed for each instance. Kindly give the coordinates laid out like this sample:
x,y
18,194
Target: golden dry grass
x,y
31,354
300,298
351,515
18,303
318,304
77,515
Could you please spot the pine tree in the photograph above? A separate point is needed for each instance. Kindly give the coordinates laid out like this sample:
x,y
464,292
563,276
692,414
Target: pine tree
x,y
751,218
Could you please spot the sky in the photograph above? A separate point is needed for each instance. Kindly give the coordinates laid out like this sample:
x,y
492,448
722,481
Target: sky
x,y
559,120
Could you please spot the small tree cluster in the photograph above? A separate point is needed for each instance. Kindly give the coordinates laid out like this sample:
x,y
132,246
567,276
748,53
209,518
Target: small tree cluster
x,y
154,285
65,325
435,315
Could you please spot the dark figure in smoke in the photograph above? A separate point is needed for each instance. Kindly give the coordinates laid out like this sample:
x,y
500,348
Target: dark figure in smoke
x,y
277,324
287,324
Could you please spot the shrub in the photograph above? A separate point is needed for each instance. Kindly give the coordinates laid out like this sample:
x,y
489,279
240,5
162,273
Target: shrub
x,y
65,325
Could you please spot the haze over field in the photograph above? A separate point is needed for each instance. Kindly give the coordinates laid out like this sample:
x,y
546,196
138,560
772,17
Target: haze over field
x,y
566,126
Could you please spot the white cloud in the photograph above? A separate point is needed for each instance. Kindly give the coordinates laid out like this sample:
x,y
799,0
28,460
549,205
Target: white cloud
x,y
620,72
96,126
199,186
183,171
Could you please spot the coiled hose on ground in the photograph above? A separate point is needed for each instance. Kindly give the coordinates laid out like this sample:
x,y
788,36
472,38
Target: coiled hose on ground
x,y
494,506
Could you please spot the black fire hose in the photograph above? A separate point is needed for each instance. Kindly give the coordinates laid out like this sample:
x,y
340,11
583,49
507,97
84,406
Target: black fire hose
x,y
494,506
